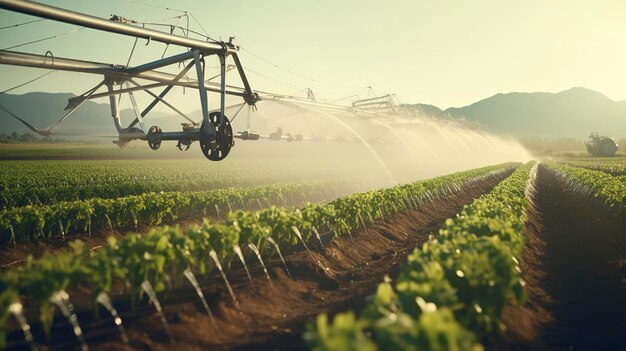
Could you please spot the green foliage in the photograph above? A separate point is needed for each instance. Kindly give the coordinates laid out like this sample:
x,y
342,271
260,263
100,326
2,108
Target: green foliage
x,y
37,183
161,255
396,331
612,166
32,223
610,190
345,333
452,291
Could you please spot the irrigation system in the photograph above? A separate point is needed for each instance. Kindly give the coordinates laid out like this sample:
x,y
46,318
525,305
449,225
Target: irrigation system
x,y
214,133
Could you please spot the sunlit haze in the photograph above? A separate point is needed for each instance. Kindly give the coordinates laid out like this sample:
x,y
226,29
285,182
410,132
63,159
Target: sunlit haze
x,y
447,53
313,175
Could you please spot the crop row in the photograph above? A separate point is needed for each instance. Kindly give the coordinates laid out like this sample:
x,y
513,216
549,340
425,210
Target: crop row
x,y
37,196
161,255
27,174
25,183
33,223
610,190
612,167
451,291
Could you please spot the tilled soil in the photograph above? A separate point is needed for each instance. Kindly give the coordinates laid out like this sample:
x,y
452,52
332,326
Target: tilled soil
x,y
272,315
575,267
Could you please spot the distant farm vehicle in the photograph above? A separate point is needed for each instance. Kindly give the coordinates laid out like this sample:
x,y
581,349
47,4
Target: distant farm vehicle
x,y
601,145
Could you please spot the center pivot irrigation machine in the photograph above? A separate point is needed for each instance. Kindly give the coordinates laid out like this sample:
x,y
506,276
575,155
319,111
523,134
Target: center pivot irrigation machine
x,y
214,133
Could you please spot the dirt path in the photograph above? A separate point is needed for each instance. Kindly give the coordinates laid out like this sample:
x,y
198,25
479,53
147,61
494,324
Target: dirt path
x,y
575,268
273,315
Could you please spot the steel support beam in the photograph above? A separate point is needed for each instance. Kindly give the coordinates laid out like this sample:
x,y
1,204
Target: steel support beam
x,y
80,19
58,63
68,111
250,96
204,102
137,113
234,117
161,63
115,108
117,92
223,86
160,98
163,93
74,107
115,72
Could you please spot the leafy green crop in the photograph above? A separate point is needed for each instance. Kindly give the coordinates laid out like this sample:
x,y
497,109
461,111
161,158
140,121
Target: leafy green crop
x,y
609,166
452,290
37,183
160,255
33,223
609,189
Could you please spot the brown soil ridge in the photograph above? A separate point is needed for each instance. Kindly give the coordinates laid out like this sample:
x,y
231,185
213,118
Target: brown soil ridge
x,y
273,315
574,266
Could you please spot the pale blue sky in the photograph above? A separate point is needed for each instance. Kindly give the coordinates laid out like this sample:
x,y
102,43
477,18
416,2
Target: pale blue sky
x,y
448,53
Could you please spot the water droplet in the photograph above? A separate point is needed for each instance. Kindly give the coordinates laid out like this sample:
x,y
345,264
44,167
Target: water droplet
x,y
62,300
282,259
258,256
425,306
218,264
459,273
16,309
104,299
146,286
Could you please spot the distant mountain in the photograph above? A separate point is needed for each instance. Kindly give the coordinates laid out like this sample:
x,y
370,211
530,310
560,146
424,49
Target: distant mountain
x,y
43,109
571,113
428,110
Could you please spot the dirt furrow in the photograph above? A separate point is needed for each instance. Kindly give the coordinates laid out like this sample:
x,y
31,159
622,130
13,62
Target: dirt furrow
x,y
575,260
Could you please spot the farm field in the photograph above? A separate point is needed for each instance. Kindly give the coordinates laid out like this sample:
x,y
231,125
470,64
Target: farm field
x,y
467,260
612,166
240,229
64,199
515,270
323,176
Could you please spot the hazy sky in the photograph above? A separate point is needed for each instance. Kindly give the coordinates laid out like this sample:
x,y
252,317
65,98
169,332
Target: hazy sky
x,y
448,53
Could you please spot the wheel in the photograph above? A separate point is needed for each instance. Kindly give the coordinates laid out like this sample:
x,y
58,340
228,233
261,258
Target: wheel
x,y
218,148
154,140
